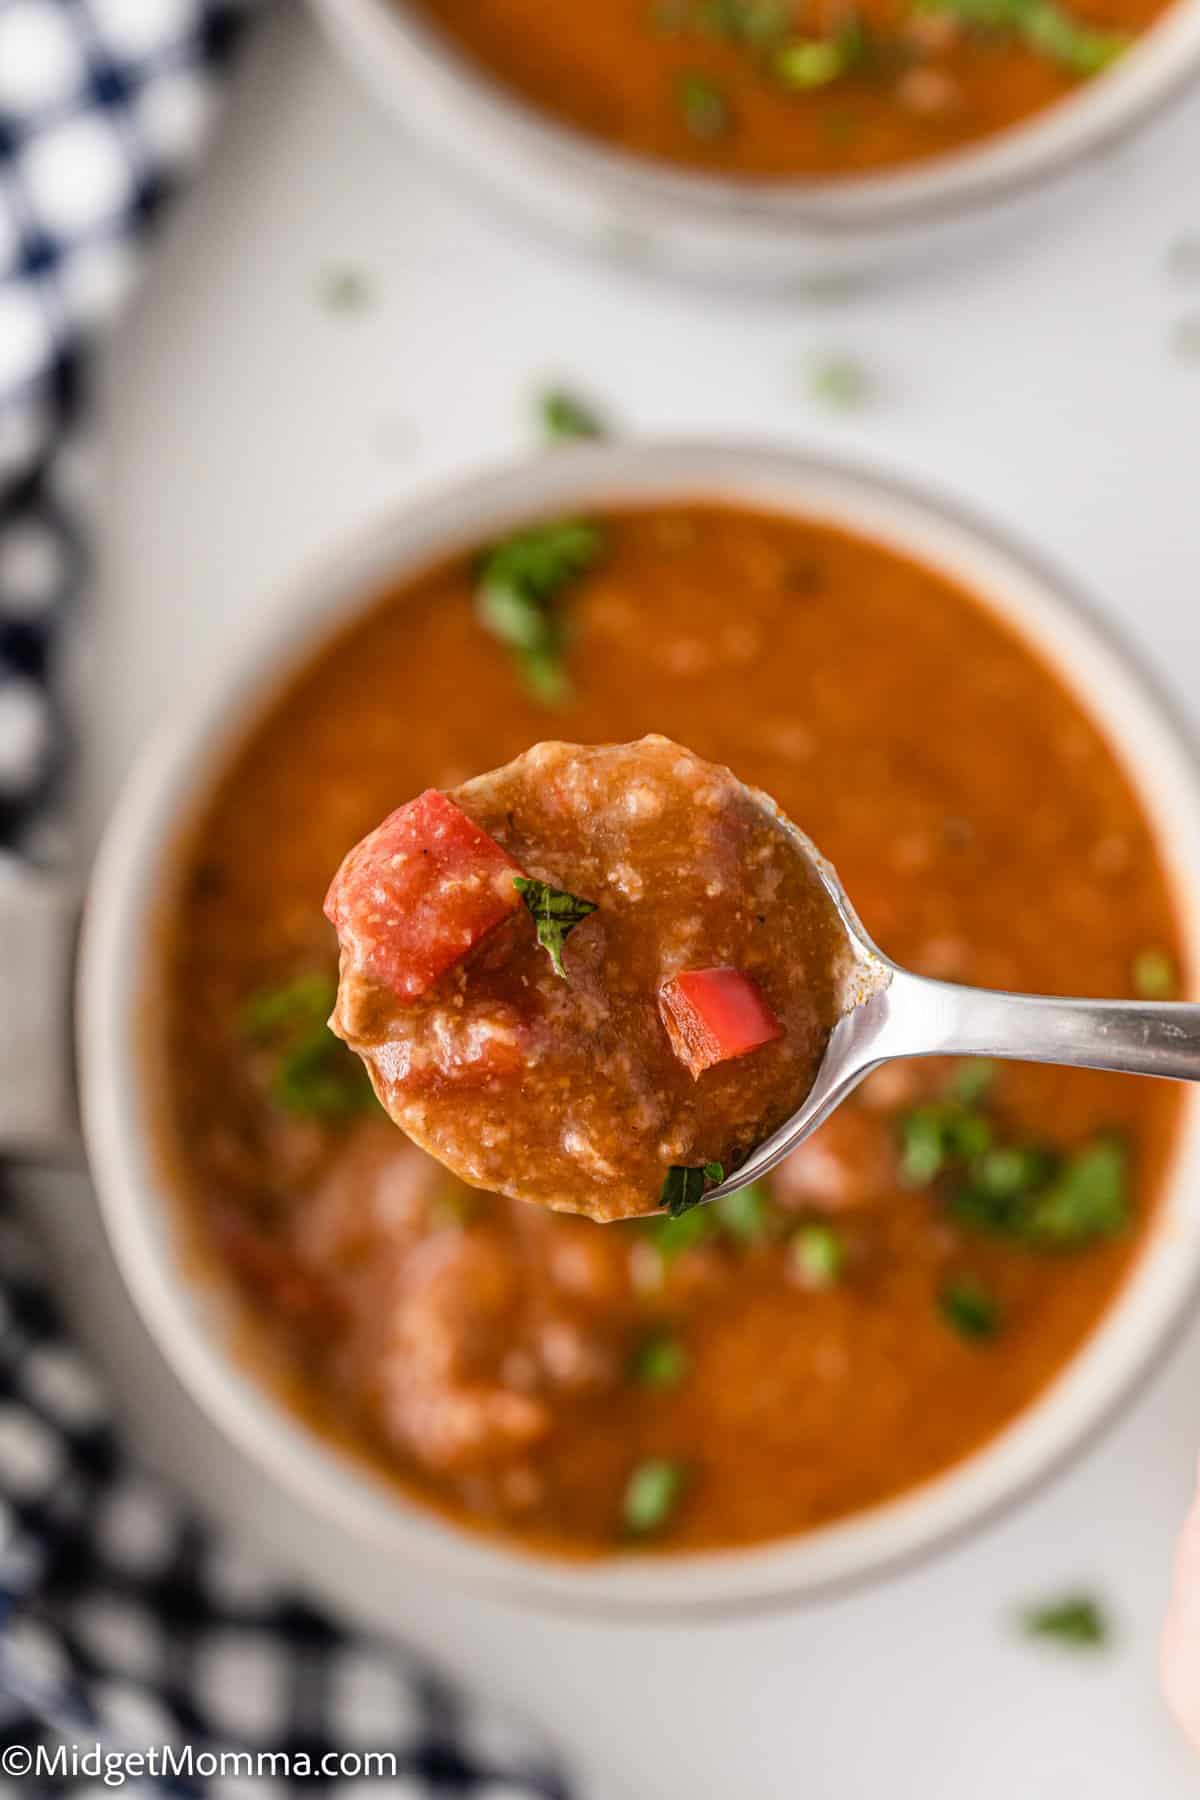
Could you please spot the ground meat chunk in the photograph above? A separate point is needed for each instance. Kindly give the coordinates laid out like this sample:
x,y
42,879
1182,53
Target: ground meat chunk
x,y
454,1317
848,1163
463,1323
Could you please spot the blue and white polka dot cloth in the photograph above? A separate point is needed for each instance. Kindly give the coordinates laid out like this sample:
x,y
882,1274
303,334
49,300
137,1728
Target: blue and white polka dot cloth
x,y
103,106
122,1620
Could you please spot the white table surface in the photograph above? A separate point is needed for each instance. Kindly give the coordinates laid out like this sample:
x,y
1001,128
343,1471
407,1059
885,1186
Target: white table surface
x,y
245,426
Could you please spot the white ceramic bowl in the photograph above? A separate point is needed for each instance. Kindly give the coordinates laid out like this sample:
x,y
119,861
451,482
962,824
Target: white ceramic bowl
x,y
755,232
117,1022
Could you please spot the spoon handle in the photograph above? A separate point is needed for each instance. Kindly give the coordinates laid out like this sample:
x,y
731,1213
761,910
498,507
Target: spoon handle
x,y
1136,1037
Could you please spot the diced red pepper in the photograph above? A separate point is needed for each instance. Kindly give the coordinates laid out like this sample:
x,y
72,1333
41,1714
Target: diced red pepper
x,y
714,1014
418,893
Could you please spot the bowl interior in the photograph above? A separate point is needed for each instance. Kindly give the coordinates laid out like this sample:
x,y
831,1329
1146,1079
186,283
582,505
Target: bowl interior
x,y
190,1317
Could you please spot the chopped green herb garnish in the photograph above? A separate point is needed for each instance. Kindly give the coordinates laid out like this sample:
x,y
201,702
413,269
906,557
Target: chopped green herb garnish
x,y
565,416
315,1075
934,1136
1051,1202
758,23
818,1254
746,1213
806,63
1078,1621
755,23
1026,1191
684,1188
1043,26
740,1219
970,1309
307,999
767,31
1010,1170
1089,1199
839,382
1154,975
972,1080
815,62
999,1182
343,290
555,913
542,671
1081,49
651,1494
660,1361
519,593
704,107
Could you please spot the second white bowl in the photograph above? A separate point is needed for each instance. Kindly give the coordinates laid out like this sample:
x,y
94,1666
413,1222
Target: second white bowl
x,y
753,233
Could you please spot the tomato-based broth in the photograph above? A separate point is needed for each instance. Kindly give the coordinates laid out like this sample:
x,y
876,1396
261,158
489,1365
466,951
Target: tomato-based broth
x,y
911,1278
767,88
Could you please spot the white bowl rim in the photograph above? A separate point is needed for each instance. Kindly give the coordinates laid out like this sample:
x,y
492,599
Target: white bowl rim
x,y
176,771
401,53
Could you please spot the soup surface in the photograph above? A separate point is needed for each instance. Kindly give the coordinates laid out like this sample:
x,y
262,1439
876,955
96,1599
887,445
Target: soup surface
x,y
923,1265
774,88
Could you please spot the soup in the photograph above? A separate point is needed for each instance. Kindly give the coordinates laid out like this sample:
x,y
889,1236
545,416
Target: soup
x,y
919,1270
764,88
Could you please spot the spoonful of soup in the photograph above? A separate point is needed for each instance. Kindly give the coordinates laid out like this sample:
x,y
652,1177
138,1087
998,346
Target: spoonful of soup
x,y
615,980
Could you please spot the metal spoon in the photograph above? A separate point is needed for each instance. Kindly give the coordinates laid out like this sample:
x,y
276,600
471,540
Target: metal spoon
x,y
890,1012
